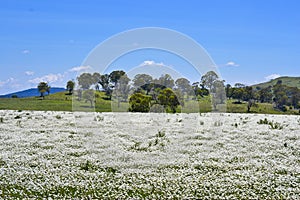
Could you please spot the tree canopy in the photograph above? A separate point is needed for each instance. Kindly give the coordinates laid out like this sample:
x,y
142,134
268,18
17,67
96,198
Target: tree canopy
x,y
43,87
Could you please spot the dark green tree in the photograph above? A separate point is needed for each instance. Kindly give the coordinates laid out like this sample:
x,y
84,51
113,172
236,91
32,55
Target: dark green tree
x,y
43,87
114,76
96,77
265,95
183,85
280,97
229,91
139,103
104,81
70,86
248,93
238,92
168,99
208,79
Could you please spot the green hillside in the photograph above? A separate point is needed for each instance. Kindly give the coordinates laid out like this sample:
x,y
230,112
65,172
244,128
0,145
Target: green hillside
x,y
289,81
62,102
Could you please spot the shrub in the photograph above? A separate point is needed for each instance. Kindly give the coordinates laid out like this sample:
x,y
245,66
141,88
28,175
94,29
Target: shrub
x,y
98,118
139,103
161,134
265,121
273,125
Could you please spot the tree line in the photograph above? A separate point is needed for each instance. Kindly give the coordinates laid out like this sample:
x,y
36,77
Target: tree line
x,y
144,92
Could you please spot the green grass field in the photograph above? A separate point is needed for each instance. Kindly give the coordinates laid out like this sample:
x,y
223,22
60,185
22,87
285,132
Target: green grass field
x,y
288,81
63,102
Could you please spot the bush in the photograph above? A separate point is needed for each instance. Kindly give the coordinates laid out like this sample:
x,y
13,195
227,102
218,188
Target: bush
x,y
139,103
265,121
273,125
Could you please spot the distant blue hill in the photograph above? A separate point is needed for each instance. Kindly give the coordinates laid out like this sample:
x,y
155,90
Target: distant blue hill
x,y
31,92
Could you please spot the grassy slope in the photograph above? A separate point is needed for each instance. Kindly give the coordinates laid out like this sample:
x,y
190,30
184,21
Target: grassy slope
x,y
62,102
289,81
57,102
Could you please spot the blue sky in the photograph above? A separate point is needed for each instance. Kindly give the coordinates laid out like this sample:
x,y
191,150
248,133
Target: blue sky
x,y
250,41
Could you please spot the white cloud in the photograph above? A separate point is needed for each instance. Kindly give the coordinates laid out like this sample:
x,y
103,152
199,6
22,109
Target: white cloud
x,y
25,51
231,64
29,73
272,76
9,85
152,63
80,68
3,83
50,78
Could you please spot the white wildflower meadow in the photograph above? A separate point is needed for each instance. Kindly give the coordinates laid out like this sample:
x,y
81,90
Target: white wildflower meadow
x,y
148,156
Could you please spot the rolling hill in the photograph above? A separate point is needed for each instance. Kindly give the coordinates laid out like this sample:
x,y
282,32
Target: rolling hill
x,y
31,92
289,81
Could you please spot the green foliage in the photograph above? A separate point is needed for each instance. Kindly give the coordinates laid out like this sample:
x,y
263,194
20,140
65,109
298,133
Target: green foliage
x,y
208,79
184,98
85,80
70,86
139,103
168,99
183,85
116,75
104,81
273,125
158,142
280,96
43,87
264,121
161,134
288,81
96,77
265,94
